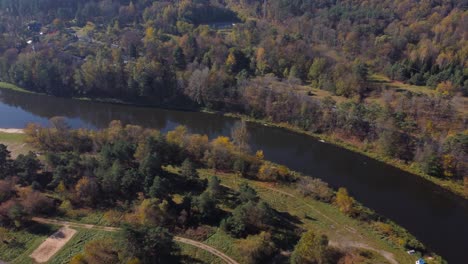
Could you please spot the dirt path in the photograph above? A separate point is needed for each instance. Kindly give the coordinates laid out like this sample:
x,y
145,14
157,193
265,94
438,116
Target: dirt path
x,y
352,244
12,130
187,241
205,247
52,244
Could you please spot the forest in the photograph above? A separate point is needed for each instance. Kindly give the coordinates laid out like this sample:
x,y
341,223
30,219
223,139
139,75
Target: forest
x,y
155,186
324,67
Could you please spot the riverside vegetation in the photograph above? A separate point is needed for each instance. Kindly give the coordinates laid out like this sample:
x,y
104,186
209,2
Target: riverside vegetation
x,y
387,78
157,185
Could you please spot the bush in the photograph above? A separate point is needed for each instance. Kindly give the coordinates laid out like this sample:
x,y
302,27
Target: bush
x,y
257,249
271,172
315,188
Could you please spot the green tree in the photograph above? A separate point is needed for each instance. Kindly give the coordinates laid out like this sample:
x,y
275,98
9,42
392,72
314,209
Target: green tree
x,y
316,69
247,193
5,162
206,206
152,245
311,249
27,167
159,188
188,170
179,58
214,186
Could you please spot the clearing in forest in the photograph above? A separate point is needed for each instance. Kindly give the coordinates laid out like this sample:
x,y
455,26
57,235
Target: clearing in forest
x,y
52,244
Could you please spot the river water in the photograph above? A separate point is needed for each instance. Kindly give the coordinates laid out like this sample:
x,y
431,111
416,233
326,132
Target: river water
x,y
436,217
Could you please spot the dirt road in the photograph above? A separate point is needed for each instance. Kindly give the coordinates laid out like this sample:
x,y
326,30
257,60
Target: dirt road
x,y
187,241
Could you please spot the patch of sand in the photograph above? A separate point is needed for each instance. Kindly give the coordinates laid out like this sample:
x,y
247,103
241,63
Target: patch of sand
x,y
12,130
52,244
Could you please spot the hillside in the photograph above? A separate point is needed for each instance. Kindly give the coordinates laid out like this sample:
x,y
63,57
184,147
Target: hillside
x,y
129,194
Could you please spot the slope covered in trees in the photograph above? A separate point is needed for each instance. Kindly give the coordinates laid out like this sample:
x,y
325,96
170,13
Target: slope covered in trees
x,y
264,59
156,185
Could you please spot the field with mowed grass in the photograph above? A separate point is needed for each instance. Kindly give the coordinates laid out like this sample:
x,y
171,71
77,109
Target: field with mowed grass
x,y
24,242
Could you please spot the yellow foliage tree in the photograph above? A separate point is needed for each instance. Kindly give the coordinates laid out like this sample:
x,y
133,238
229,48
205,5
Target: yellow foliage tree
x,y
177,136
449,163
344,201
445,89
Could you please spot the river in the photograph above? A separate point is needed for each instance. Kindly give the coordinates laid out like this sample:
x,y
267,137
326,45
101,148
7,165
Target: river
x,y
436,217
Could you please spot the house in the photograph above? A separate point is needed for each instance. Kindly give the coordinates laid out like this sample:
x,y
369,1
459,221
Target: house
x,y
420,261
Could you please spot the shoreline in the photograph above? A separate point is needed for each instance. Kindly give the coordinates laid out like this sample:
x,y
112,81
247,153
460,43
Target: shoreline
x,y
12,130
451,186
447,185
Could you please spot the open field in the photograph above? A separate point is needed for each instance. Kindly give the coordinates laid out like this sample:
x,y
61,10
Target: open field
x,y
111,231
52,244
14,142
4,85
342,231
460,103
24,243
77,243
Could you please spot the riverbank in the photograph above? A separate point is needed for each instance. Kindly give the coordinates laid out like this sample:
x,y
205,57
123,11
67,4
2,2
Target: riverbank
x,y
12,130
343,231
452,186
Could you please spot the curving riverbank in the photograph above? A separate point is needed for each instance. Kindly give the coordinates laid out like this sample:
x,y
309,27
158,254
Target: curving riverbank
x,y
456,188
448,185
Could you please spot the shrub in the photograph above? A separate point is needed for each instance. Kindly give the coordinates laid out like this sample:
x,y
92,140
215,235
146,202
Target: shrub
x,y
315,188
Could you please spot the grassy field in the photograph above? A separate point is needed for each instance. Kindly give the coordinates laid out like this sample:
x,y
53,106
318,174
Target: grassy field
x,y
459,103
15,143
399,86
25,241
312,214
77,243
4,85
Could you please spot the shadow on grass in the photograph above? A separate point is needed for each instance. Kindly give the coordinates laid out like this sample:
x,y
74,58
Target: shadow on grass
x,y
40,229
189,259
229,197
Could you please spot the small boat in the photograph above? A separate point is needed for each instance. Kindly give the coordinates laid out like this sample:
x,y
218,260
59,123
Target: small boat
x,y
323,141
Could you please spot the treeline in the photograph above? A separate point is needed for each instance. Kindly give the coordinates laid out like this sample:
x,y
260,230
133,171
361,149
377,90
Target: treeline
x,y
149,183
426,131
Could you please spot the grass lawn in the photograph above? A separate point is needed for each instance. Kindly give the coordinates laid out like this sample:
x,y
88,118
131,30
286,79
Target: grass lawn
x,y
25,242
